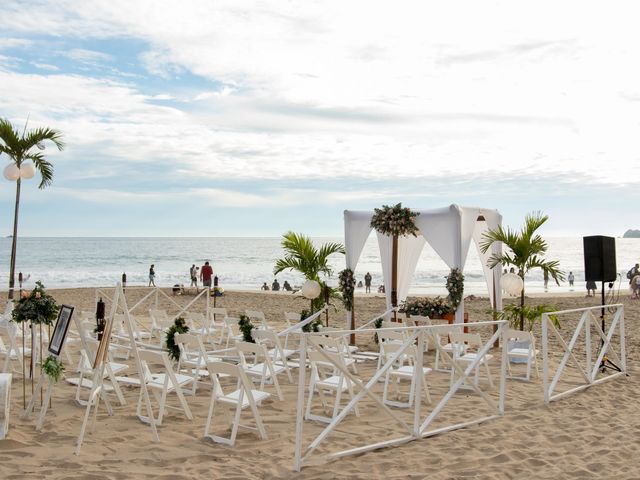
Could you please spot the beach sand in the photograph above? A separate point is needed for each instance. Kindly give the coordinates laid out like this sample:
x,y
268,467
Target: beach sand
x,y
592,434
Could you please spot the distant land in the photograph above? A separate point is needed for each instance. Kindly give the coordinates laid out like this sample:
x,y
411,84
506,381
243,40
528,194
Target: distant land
x,y
631,234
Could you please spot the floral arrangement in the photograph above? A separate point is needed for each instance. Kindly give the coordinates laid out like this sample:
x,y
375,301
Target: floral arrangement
x,y
310,327
179,326
37,307
394,221
246,326
455,287
347,286
53,368
427,307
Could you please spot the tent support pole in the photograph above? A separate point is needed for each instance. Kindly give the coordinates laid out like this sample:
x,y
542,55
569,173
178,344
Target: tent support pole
x,y
394,275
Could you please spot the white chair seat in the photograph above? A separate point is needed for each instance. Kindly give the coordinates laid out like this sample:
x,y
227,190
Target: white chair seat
x,y
158,379
522,352
287,352
333,382
470,357
233,397
259,368
406,371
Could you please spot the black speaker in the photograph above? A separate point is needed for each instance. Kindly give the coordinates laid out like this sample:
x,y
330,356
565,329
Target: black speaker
x,y
599,258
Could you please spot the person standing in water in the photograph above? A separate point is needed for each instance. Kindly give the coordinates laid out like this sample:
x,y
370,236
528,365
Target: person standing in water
x,y
367,283
152,275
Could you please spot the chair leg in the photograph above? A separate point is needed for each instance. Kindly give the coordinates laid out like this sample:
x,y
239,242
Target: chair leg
x,y
486,365
426,388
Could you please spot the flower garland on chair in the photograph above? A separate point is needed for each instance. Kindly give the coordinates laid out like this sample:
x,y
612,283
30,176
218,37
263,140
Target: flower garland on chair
x,y
455,287
394,221
347,286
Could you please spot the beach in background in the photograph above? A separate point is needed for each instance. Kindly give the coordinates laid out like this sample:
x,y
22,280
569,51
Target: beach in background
x,y
246,263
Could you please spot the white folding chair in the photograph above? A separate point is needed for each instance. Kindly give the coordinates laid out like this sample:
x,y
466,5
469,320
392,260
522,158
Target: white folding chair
x,y
291,318
230,331
162,383
529,354
216,316
257,317
338,344
193,357
261,367
277,355
160,321
442,335
9,347
401,372
466,348
245,396
327,378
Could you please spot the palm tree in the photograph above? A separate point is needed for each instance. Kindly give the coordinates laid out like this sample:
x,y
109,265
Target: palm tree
x,y
19,149
527,250
303,256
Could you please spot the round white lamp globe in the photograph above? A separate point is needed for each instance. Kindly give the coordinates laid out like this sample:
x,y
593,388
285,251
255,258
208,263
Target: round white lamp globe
x,y
27,170
11,172
512,283
311,289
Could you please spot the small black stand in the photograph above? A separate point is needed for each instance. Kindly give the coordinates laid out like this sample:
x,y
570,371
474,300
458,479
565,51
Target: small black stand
x,y
606,363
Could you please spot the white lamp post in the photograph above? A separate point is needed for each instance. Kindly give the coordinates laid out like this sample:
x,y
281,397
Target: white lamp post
x,y
311,290
13,173
512,283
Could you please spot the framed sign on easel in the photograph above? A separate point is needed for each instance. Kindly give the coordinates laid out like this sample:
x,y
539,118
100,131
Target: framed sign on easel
x,y
55,349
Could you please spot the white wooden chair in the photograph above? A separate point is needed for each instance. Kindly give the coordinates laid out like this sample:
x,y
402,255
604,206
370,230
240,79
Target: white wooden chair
x,y
245,396
257,318
261,366
400,371
216,320
290,318
9,347
5,403
277,354
160,321
327,379
529,354
85,371
338,344
466,348
162,383
442,335
230,331
193,358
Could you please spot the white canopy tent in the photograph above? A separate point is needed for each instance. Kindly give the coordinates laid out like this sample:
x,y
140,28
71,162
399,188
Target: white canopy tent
x,y
448,230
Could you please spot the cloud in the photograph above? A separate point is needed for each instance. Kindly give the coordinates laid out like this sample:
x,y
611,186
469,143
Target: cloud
x,y
45,66
89,57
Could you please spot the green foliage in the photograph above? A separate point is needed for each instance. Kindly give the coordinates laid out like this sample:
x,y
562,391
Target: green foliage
x,y
531,315
313,326
302,256
53,368
394,221
427,307
246,326
526,251
18,147
37,307
179,326
455,287
347,287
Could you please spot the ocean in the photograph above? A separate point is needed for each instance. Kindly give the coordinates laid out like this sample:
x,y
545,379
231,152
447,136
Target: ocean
x,y
245,263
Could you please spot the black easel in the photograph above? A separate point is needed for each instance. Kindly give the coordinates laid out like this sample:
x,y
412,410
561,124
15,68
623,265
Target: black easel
x,y
606,363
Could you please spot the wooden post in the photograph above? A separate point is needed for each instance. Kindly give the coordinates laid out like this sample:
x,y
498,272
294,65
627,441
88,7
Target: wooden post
x,y
352,337
495,311
394,275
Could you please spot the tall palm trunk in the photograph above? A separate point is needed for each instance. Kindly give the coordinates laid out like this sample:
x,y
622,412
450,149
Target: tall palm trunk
x,y
12,271
522,306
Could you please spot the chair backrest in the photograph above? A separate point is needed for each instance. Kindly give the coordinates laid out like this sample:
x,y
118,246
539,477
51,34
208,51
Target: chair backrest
x,y
292,318
390,335
190,344
471,339
269,337
324,366
391,348
259,351
257,315
217,313
195,319
520,336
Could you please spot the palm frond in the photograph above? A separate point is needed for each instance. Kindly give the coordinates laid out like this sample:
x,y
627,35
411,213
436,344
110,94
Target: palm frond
x,y
43,166
39,135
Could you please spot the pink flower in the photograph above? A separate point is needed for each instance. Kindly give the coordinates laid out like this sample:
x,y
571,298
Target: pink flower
x,y
38,295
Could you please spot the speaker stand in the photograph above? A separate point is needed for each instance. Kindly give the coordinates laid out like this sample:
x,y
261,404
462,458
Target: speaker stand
x,y
605,363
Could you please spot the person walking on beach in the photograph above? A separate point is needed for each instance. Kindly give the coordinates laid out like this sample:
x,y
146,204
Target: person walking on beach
x,y
591,288
571,279
632,273
193,273
206,272
367,283
152,275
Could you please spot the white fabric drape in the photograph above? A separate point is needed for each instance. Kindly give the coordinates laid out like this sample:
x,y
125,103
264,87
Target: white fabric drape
x,y
385,244
409,250
356,231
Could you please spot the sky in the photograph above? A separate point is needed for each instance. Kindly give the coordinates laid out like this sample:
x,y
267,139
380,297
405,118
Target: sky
x,y
201,118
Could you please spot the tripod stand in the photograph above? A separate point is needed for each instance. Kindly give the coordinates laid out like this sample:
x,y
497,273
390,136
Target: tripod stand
x,y
606,363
